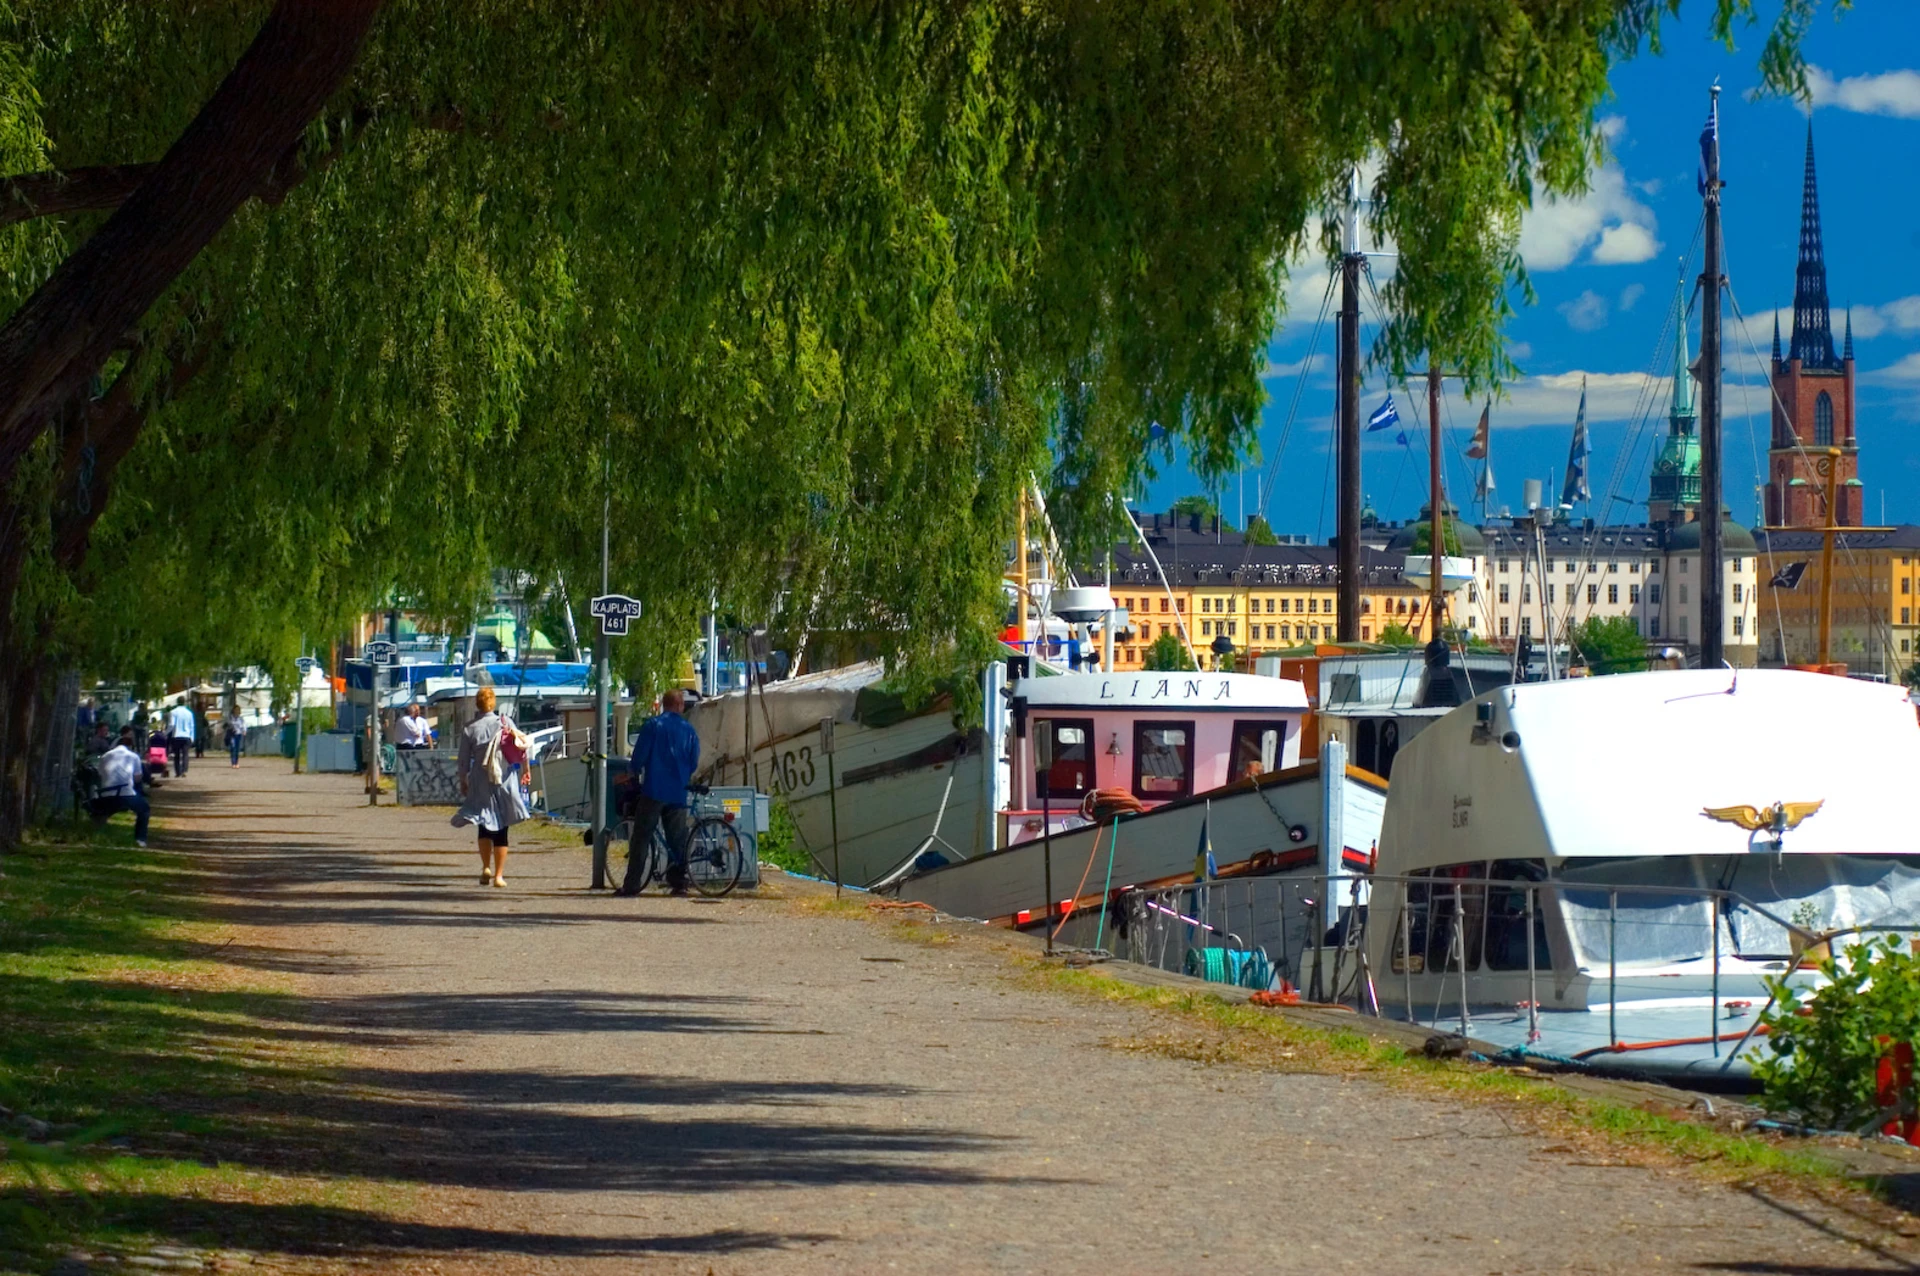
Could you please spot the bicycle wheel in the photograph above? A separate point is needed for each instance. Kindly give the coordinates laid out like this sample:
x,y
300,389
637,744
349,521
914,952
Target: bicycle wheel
x,y
715,859
619,847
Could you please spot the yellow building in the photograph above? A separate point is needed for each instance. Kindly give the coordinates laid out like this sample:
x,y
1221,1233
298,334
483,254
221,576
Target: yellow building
x,y
1875,598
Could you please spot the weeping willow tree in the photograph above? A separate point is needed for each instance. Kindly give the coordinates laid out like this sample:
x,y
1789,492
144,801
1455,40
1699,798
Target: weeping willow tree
x,y
314,301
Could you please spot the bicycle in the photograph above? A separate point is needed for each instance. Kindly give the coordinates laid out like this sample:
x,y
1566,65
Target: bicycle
x,y
716,859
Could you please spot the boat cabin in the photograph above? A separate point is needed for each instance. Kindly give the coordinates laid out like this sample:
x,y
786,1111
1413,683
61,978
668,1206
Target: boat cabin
x,y
1157,737
1640,851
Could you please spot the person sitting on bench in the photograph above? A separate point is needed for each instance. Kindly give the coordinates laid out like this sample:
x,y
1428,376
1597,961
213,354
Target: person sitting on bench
x,y
121,775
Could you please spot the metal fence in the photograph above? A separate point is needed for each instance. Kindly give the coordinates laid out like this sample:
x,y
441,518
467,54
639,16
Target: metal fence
x,y
1505,948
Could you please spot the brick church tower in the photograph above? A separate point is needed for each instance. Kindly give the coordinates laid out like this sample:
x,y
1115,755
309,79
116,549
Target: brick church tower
x,y
1813,393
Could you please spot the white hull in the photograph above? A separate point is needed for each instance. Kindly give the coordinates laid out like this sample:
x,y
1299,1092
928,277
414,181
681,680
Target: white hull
x,y
1278,817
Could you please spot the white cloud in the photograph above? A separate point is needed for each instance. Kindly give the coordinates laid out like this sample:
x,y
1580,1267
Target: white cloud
x,y
1905,372
1586,312
1554,398
1608,219
1311,363
1612,126
1518,350
1901,316
1895,93
1630,295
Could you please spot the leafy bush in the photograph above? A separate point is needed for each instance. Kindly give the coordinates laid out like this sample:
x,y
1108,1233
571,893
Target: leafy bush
x,y
1397,634
1168,653
780,845
1827,1045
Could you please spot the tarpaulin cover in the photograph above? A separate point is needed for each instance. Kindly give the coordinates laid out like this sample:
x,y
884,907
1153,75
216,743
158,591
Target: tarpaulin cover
x,y
505,674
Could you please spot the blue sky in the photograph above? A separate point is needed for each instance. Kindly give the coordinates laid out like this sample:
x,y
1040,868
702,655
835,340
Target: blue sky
x,y
1605,266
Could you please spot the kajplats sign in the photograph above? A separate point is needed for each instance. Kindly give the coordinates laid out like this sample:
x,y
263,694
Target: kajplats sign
x,y
616,612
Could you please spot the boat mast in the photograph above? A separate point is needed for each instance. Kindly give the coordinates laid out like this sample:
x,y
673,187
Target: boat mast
x,y
1436,681
1713,618
1020,549
1347,538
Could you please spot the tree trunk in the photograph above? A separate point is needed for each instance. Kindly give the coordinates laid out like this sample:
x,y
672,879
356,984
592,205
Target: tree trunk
x,y
54,344
53,783
62,336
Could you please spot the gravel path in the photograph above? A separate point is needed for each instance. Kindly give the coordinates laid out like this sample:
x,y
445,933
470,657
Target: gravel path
x,y
582,1084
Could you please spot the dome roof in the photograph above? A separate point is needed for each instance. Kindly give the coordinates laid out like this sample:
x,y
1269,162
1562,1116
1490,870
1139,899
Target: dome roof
x,y
1472,543
1734,539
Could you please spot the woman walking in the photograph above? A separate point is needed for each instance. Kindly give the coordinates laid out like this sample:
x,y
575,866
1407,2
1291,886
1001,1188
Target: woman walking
x,y
491,785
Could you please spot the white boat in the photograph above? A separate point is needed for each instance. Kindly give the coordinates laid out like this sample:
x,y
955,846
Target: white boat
x,y
1656,913
1126,772
904,779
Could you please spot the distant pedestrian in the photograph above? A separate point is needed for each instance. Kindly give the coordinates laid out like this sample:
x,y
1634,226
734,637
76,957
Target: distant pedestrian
x,y
490,782
158,754
180,730
201,730
102,739
121,779
413,731
236,731
665,754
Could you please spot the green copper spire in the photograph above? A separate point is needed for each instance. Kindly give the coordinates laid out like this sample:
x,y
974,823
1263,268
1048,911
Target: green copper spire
x,y
1683,387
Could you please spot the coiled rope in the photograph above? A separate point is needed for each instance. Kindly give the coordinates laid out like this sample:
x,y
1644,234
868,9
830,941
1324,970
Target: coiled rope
x,y
1242,967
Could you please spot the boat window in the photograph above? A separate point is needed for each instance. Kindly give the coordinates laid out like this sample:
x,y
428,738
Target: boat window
x,y
1456,916
1162,760
1071,774
1506,946
1366,746
1256,748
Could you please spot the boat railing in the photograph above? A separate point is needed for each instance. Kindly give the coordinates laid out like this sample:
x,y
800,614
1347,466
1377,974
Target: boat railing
x,y
1488,941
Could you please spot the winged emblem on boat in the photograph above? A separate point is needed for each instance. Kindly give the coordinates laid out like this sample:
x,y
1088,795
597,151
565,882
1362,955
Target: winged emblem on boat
x,y
1775,819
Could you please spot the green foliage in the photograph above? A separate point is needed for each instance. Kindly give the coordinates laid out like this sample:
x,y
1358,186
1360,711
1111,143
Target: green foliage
x,y
1167,653
1826,1046
1449,537
791,286
1259,533
1205,506
1911,678
1398,635
781,846
1610,644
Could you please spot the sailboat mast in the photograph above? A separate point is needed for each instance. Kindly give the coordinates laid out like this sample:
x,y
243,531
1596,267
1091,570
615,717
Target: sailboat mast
x,y
1713,618
1436,544
1347,537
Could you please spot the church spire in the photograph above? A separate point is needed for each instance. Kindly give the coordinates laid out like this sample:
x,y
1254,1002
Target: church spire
x,y
1683,413
1812,325
1846,351
1776,336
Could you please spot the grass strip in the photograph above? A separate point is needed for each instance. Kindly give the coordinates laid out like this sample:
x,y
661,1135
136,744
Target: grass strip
x,y
148,1068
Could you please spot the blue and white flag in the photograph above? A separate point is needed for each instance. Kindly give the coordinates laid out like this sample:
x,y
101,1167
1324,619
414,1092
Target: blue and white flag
x,y
1402,439
1383,416
1709,138
1575,488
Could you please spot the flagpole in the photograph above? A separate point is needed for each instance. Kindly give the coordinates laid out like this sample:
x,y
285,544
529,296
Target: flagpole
x,y
1712,610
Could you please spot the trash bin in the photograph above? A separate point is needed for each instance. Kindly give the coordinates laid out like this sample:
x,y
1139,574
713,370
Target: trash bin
x,y
287,731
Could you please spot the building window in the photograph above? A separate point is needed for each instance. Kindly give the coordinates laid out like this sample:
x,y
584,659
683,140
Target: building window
x,y
1823,421
1206,631
1686,564
1269,633
1633,569
1683,596
1550,598
1269,606
1473,622
1313,604
1569,567
1653,626
1903,644
1286,633
1473,593
1613,593
1286,605
1206,604
1633,593
1612,567
1181,603
1503,627
1593,594
1736,591
1503,595
1739,626
1653,568
1366,633
1653,596
1163,607
1906,586
1906,615
1736,564
1366,606
1233,629
1526,626
1504,565
1526,591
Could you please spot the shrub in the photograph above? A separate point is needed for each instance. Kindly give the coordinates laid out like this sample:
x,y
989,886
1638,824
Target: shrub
x,y
1827,1044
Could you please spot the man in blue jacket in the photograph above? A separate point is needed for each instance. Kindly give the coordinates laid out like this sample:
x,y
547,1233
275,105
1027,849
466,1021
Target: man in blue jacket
x,y
665,754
